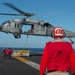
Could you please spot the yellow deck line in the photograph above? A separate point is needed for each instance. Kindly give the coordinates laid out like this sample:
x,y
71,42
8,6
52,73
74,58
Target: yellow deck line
x,y
21,59
32,64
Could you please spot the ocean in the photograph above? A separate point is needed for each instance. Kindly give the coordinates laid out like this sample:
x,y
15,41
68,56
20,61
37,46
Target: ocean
x,y
30,49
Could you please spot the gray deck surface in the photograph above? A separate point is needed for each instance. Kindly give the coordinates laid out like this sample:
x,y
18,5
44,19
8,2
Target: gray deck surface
x,y
16,67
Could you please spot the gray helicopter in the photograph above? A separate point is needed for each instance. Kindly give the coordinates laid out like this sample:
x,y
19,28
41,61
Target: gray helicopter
x,y
37,27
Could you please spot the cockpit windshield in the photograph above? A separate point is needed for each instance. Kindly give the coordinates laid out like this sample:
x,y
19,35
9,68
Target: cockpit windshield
x,y
5,22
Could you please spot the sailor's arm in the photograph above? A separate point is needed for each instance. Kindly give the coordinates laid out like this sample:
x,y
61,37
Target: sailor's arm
x,y
44,60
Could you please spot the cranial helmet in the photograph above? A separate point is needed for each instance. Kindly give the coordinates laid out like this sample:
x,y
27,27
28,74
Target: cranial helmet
x,y
58,32
9,48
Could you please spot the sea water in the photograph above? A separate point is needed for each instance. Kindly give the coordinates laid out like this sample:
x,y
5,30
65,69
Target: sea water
x,y
30,49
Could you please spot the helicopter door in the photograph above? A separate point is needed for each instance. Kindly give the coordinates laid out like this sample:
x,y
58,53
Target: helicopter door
x,y
13,24
19,25
16,25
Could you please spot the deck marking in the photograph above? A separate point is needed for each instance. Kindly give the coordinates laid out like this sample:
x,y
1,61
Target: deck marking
x,y
32,64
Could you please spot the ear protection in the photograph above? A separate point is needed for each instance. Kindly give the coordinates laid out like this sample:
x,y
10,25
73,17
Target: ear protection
x,y
52,35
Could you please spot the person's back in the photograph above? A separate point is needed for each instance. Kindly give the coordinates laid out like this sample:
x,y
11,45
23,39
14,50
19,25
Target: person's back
x,y
59,53
58,56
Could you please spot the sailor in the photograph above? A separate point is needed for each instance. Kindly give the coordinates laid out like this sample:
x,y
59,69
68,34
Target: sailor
x,y
4,53
58,56
9,52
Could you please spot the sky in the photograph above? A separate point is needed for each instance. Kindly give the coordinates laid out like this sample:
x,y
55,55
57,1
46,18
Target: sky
x,y
56,12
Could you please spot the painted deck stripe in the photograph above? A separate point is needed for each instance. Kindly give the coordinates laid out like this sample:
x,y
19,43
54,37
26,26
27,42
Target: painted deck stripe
x,y
32,64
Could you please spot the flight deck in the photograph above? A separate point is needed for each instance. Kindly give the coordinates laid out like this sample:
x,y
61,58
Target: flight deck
x,y
20,65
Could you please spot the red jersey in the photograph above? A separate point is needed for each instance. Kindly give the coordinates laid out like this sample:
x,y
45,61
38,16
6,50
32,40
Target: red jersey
x,y
10,51
58,55
4,51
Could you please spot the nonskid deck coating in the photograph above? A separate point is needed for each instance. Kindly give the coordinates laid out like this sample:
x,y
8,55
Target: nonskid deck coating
x,y
16,67
28,62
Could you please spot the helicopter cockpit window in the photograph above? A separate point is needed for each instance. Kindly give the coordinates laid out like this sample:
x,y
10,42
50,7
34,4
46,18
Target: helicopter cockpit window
x,y
5,22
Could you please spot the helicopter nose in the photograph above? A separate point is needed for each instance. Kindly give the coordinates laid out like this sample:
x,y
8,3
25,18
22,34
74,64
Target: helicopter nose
x,y
1,27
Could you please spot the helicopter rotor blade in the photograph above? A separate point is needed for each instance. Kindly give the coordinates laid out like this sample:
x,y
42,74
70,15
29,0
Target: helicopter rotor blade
x,y
13,7
20,11
11,14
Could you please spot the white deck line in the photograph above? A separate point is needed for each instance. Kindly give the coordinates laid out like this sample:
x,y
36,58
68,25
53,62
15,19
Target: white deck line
x,y
33,64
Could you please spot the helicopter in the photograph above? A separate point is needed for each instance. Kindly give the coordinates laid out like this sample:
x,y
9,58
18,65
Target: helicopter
x,y
37,27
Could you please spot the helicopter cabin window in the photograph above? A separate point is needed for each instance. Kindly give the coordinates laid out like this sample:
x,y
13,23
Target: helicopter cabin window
x,y
18,25
15,25
42,28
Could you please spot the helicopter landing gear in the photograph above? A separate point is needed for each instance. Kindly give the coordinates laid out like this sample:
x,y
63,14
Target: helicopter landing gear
x,y
71,41
17,35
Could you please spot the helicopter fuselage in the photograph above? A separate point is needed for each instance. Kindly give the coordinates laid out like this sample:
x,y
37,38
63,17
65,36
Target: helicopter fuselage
x,y
38,28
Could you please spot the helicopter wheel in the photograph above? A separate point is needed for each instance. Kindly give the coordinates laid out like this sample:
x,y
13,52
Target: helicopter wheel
x,y
17,35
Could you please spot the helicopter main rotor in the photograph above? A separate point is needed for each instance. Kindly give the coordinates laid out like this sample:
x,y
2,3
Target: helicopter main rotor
x,y
22,13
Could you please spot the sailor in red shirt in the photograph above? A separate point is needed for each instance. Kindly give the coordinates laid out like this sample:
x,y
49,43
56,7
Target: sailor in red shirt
x,y
4,53
9,52
58,56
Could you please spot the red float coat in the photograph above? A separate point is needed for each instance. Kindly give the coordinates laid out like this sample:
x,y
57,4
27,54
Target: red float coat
x,y
4,51
10,51
57,55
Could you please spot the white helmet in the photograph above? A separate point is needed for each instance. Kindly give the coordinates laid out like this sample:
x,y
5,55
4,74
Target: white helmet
x,y
58,32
